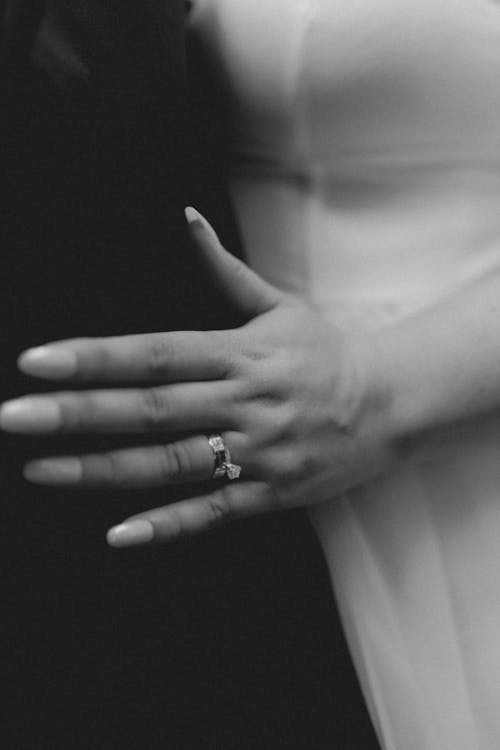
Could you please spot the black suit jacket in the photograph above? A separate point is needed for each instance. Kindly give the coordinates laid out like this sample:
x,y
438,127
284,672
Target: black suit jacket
x,y
230,641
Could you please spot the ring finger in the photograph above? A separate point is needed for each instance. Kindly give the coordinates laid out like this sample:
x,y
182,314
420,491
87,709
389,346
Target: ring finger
x,y
188,460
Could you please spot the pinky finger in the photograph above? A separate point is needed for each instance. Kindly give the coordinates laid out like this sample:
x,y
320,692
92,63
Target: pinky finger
x,y
229,502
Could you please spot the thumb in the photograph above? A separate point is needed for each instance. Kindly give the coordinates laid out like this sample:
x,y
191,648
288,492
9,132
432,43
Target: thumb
x,y
246,290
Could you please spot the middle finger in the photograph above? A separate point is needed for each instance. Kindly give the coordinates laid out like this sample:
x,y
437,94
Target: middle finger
x,y
170,408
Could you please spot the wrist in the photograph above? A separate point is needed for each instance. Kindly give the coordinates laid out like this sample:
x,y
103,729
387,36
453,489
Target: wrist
x,y
406,397
383,422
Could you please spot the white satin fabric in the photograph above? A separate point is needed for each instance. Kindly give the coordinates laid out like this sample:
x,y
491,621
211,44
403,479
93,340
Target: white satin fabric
x,y
366,178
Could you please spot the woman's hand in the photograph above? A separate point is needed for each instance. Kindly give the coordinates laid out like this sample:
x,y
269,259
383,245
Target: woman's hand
x,y
287,391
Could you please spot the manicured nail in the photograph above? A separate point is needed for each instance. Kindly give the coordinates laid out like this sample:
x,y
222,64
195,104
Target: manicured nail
x,y
193,216
54,471
130,534
48,362
197,220
30,415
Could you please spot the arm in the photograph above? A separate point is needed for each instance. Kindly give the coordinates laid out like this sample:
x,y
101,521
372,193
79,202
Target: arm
x,y
441,369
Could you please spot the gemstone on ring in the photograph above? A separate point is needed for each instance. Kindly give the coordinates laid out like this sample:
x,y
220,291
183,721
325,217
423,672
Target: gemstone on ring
x,y
222,459
233,471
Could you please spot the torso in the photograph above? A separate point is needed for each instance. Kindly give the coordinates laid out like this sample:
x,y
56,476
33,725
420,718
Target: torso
x,y
366,177
366,141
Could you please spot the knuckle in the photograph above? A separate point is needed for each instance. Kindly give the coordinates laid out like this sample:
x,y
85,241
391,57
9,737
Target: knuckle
x,y
78,413
175,462
277,465
176,528
253,353
273,498
239,406
102,470
283,422
155,408
271,469
96,360
298,467
115,471
225,351
160,357
87,414
264,386
219,507
102,355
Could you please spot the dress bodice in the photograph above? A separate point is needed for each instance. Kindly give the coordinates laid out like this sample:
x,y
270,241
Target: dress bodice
x,y
366,177
366,141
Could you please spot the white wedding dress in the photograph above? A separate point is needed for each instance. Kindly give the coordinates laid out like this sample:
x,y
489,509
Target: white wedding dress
x,y
366,178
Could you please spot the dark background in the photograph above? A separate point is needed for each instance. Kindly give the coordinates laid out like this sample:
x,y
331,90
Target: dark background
x,y
229,641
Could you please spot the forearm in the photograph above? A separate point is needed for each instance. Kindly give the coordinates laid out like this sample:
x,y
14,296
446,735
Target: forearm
x,y
439,370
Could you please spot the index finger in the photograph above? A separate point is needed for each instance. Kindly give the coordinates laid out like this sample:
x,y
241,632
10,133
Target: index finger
x,y
152,357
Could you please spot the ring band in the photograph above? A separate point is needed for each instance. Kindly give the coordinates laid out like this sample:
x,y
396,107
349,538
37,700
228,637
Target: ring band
x,y
222,459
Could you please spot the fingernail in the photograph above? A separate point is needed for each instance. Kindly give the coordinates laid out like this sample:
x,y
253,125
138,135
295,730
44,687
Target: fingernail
x,y
30,415
48,362
54,471
195,219
130,534
193,216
